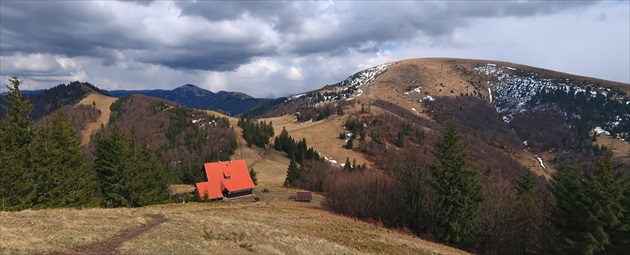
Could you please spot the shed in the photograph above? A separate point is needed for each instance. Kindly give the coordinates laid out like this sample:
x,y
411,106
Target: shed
x,y
225,179
305,196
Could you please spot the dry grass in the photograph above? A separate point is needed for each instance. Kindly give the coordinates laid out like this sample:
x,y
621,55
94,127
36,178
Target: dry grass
x,y
44,231
322,135
102,103
620,149
271,226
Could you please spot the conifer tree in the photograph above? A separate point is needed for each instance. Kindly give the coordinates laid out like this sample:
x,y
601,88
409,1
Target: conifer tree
x,y
130,173
347,166
63,175
293,173
253,175
350,144
590,208
525,183
146,177
111,150
16,134
401,140
457,190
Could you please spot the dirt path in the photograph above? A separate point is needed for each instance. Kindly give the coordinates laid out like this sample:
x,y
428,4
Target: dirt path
x,y
102,103
111,245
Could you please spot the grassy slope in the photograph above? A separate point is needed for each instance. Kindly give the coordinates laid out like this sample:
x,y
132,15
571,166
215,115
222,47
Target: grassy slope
x,y
102,103
274,225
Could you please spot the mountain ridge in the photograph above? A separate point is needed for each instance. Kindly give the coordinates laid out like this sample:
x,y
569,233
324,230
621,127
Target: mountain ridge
x,y
192,96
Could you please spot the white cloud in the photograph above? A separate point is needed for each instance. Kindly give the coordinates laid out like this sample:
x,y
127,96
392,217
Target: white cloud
x,y
294,74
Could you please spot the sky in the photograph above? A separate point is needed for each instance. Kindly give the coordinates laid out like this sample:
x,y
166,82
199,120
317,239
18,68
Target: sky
x,y
277,48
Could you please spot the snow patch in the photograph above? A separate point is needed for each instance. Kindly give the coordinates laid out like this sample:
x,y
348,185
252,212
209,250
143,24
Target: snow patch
x,y
414,110
600,130
430,98
490,93
540,161
330,160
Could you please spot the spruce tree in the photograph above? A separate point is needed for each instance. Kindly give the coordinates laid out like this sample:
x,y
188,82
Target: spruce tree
x,y
111,150
293,173
130,173
457,190
525,183
16,134
63,175
347,166
590,211
147,179
350,144
253,175
401,140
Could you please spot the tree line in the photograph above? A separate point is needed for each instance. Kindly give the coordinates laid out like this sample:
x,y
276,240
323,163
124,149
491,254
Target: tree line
x,y
256,133
45,167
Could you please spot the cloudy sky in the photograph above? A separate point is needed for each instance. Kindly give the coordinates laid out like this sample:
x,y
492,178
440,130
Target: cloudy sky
x,y
276,48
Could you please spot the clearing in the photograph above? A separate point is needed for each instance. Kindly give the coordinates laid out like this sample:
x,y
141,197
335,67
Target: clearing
x,y
102,103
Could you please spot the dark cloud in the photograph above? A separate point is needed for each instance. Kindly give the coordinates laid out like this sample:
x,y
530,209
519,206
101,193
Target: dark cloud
x,y
82,28
216,41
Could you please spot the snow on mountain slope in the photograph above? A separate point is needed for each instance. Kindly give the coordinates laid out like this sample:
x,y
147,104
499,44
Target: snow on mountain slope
x,y
515,90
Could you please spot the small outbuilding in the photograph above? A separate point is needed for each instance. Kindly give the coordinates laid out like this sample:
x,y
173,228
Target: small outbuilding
x,y
305,196
226,179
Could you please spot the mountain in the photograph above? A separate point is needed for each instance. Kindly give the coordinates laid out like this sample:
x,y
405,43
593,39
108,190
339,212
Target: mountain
x,y
48,100
195,97
511,119
535,117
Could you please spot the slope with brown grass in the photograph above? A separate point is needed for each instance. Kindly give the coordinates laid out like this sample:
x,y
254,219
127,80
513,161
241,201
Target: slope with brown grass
x,y
271,226
102,103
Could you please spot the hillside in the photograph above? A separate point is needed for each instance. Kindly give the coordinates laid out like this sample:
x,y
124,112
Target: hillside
x,y
534,116
192,96
272,226
49,100
511,118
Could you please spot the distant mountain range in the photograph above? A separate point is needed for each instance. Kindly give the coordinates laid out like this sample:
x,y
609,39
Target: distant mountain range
x,y
233,103
192,96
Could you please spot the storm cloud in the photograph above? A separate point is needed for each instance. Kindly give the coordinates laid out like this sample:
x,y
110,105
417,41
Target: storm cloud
x,y
272,48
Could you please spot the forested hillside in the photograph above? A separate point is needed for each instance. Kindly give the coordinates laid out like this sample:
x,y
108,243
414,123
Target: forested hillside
x,y
183,138
49,100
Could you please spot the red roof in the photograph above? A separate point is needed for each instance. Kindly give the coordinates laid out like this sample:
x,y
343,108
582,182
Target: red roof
x,y
231,176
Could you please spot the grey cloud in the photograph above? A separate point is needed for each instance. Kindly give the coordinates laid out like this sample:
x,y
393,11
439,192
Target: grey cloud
x,y
89,29
360,24
64,28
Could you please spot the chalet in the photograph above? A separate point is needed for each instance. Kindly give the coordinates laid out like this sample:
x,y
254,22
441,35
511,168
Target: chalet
x,y
226,179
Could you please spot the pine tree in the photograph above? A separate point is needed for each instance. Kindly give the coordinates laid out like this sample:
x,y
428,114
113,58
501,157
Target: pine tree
x,y
111,150
253,175
525,183
16,134
147,179
347,166
293,173
350,143
63,175
457,190
401,140
590,208
130,173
